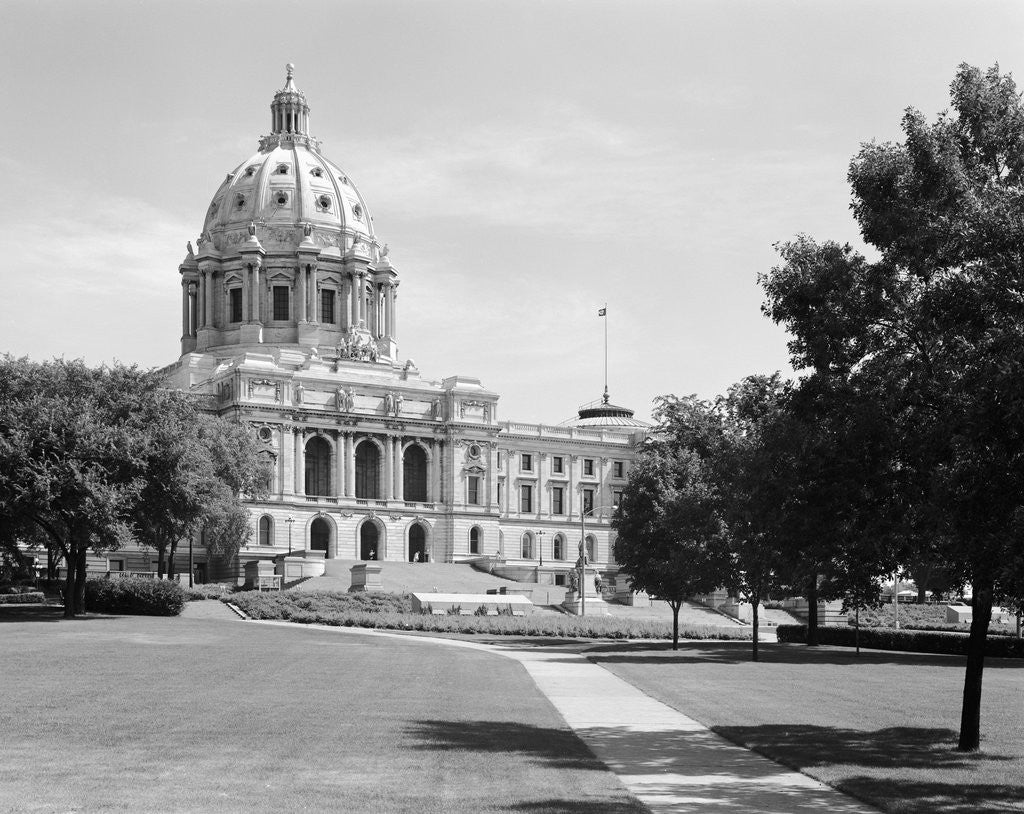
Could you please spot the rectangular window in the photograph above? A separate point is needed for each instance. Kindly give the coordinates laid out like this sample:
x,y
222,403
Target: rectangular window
x,y
235,304
617,498
526,463
558,464
588,466
618,469
557,500
327,306
473,490
501,460
501,496
281,303
115,565
526,499
588,500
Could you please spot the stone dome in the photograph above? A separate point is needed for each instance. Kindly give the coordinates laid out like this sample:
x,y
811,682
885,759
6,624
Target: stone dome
x,y
288,182
604,414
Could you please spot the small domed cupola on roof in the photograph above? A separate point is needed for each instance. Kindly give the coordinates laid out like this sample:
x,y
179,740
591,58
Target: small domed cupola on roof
x,y
289,111
604,414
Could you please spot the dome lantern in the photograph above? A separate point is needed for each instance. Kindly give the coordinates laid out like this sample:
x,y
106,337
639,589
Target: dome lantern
x,y
289,111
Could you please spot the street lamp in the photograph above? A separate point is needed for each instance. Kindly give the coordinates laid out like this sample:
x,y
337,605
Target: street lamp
x,y
290,521
540,546
583,554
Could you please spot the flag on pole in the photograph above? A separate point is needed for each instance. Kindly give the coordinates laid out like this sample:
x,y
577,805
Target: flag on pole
x,y
602,311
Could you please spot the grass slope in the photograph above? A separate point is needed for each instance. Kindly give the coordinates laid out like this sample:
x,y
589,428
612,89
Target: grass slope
x,y
881,726
192,714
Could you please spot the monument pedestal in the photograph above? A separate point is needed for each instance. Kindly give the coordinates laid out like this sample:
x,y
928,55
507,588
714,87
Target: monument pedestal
x,y
366,577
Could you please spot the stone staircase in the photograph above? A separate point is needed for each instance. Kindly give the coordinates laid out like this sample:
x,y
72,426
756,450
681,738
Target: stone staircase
x,y
407,577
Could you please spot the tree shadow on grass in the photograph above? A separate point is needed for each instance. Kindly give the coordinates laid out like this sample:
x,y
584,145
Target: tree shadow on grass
x,y
557,748
31,613
586,806
900,747
694,652
919,797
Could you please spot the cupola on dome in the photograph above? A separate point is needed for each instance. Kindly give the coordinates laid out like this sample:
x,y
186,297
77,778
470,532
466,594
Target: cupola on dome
x,y
289,182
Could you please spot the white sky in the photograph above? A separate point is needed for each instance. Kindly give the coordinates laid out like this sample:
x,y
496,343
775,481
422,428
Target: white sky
x,y
525,161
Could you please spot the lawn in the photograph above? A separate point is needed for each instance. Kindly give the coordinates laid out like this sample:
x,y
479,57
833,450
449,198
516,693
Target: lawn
x,y
181,714
881,726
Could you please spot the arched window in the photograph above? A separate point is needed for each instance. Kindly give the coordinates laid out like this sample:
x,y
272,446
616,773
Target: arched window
x,y
367,471
268,468
559,547
528,546
319,534
266,530
414,473
369,541
474,540
591,547
318,467
417,543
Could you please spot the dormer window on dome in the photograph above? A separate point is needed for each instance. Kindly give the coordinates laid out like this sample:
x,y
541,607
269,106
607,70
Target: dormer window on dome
x,y
316,172
323,203
281,197
239,201
251,170
282,169
357,211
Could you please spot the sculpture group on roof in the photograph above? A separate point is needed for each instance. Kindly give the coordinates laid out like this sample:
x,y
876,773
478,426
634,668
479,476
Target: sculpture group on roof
x,y
358,348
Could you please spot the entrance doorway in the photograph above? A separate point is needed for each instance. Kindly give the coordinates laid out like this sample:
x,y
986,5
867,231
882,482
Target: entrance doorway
x,y
319,535
417,543
369,541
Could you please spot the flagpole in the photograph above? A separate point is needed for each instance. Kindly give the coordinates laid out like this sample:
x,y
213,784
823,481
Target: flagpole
x,y
604,313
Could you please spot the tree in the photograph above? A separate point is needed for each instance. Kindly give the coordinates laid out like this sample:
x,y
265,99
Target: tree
x,y
671,539
756,453
197,466
932,334
69,443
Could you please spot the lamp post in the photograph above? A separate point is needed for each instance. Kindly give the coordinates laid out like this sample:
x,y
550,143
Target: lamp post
x,y
583,554
290,521
540,546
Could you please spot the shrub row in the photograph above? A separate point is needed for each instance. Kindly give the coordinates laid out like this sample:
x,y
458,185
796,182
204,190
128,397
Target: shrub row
x,y
911,641
25,598
283,604
199,592
393,612
8,590
145,597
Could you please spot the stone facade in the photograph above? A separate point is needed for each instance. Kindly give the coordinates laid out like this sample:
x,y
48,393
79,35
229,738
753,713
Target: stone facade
x,y
289,324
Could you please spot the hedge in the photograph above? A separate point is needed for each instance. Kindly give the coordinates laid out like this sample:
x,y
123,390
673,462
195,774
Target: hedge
x,y
26,598
144,597
911,641
393,612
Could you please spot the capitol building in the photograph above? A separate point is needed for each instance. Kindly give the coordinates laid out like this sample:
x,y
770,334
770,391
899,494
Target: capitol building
x,y
290,314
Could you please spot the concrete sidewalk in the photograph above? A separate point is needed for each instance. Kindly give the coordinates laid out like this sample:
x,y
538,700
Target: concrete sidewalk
x,y
670,762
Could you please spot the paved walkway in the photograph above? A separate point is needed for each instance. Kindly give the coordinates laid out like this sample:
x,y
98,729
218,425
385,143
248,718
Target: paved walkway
x,y
672,763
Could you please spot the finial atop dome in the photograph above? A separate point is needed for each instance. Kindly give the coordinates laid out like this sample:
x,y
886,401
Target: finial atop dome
x,y
288,83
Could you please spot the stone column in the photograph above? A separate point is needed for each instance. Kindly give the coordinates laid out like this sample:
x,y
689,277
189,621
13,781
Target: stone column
x,y
208,298
246,282
184,308
399,471
350,466
572,486
339,463
300,462
434,481
354,292
490,480
389,469
257,315
542,460
300,298
390,326
313,309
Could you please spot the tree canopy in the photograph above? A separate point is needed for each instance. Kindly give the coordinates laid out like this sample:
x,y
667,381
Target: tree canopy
x,y
917,356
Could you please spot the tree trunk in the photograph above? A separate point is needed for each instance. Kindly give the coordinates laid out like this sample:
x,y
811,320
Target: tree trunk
x,y
920,595
812,612
161,553
80,568
970,715
70,580
755,601
53,558
172,550
675,605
